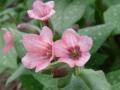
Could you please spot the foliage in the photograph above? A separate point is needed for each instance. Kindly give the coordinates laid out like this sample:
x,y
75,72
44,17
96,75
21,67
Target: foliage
x,y
101,21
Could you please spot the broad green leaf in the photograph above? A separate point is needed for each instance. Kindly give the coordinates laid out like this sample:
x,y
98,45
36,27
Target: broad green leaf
x,y
95,79
49,88
7,60
29,83
67,13
114,77
88,80
111,2
116,86
17,40
98,33
46,80
76,83
63,81
28,4
90,15
112,15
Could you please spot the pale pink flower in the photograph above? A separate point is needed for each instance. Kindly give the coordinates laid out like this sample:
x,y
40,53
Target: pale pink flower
x,y
42,11
73,49
39,49
8,39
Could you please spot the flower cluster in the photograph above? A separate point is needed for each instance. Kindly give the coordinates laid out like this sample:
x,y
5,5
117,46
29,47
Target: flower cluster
x,y
72,48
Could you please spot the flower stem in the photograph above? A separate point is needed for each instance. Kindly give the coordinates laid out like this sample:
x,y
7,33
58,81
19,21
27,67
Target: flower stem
x,y
77,71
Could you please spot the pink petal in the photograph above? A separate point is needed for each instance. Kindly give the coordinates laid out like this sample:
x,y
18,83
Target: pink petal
x,y
51,4
28,60
33,43
83,59
8,42
70,37
46,34
32,14
7,48
37,3
60,49
45,18
68,61
8,37
42,65
53,54
34,60
85,43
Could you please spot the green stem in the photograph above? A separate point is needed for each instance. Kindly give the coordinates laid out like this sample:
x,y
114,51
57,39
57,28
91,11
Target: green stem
x,y
42,24
77,71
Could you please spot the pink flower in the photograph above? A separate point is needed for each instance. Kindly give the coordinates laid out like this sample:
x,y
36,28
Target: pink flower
x,y
42,11
73,49
39,50
8,42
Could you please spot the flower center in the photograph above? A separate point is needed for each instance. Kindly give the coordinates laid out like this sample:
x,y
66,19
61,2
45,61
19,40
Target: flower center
x,y
74,52
48,52
43,11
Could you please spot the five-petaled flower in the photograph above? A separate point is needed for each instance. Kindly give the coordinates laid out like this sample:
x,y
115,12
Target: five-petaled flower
x,y
8,39
39,49
42,11
73,49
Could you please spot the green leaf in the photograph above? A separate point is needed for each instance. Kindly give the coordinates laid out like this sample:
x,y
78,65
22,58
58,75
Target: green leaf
x,y
76,83
95,79
111,2
16,74
7,60
88,80
67,13
116,86
49,88
46,80
29,83
7,11
63,81
114,77
90,15
112,15
98,33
